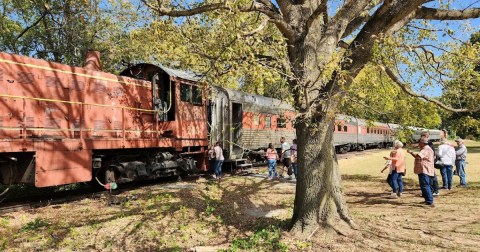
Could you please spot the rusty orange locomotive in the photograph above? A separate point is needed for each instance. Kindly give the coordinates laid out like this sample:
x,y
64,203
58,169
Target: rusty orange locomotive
x,y
61,124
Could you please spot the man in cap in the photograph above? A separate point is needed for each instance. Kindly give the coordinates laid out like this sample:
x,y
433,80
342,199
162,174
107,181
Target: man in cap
x,y
424,169
461,156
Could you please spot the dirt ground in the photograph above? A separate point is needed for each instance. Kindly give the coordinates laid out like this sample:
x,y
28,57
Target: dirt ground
x,y
249,213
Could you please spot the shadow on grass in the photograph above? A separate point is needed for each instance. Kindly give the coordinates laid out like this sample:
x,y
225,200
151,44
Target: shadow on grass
x,y
224,219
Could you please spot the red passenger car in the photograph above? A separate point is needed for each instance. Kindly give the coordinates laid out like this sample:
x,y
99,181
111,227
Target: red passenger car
x,y
61,124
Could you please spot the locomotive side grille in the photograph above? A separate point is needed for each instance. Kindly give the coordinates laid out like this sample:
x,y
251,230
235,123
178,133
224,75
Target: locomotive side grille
x,y
53,82
117,125
99,125
99,87
77,85
25,78
52,122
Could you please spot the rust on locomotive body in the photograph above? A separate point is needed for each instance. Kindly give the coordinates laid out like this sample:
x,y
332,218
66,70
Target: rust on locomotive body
x,y
61,124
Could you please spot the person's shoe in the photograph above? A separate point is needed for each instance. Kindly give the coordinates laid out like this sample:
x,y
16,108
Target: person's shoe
x,y
462,186
399,194
443,188
436,194
393,196
430,204
269,178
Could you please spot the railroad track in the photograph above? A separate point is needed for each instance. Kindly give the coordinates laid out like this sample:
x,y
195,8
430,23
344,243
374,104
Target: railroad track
x,y
54,198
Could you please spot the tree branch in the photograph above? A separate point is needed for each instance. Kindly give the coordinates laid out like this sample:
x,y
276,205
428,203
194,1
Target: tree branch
x,y
259,28
439,14
406,89
34,24
274,14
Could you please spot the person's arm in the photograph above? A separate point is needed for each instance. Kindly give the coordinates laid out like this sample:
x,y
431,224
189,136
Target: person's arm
x,y
440,151
460,150
415,155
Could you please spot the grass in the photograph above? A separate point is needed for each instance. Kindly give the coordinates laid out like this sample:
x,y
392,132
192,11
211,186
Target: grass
x,y
232,216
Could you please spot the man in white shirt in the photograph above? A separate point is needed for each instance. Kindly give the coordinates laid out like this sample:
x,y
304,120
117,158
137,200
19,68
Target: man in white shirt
x,y
285,157
447,158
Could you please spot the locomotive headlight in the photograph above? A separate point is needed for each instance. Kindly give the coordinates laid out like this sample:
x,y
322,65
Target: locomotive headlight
x,y
97,163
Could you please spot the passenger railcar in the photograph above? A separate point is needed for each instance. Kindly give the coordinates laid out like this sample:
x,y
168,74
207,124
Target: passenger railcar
x,y
61,124
246,123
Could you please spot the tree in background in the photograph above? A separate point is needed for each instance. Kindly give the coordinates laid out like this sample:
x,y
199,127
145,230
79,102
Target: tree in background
x,y
463,89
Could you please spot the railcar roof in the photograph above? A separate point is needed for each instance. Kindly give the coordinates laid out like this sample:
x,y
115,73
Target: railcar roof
x,y
182,74
246,98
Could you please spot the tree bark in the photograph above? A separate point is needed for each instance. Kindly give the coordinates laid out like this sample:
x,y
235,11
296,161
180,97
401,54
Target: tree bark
x,y
319,198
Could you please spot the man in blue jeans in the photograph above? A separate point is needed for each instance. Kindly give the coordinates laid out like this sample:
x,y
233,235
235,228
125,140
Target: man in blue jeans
x,y
424,168
446,153
460,164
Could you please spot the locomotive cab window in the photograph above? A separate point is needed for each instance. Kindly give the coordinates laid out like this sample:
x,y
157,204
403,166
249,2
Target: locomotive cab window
x,y
191,94
339,127
196,95
185,92
268,122
345,128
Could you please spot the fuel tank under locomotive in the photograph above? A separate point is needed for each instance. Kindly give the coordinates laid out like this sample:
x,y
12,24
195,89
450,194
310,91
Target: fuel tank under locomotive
x,y
123,168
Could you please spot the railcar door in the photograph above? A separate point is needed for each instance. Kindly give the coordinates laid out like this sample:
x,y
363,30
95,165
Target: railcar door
x,y
237,118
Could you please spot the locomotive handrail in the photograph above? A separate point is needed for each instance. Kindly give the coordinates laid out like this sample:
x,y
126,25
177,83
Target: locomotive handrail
x,y
74,102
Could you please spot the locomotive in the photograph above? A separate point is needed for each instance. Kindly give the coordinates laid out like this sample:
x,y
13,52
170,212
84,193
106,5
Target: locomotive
x,y
61,124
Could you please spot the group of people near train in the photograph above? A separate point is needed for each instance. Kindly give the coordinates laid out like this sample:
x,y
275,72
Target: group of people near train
x,y
288,157
426,160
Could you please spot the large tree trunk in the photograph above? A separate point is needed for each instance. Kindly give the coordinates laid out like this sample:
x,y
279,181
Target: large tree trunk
x,y
319,197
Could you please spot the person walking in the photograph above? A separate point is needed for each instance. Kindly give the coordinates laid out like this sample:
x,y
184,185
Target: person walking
x,y
285,155
272,157
461,157
446,154
211,159
397,157
293,157
433,178
218,160
424,169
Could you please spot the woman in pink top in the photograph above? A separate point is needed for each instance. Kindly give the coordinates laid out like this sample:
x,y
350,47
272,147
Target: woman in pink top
x,y
272,157
398,169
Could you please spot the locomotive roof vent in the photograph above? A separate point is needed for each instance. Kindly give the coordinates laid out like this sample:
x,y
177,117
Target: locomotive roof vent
x,y
92,61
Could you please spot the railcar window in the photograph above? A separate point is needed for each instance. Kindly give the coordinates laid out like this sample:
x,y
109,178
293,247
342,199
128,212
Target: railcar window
x,y
368,130
197,95
185,92
268,122
256,120
339,127
345,128
281,123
